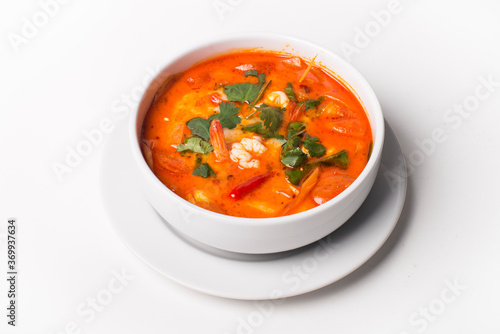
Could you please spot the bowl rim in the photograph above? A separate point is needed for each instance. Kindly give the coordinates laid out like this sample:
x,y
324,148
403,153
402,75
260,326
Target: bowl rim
x,y
370,99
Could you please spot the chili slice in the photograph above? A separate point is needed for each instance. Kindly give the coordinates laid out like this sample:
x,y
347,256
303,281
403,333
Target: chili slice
x,y
248,186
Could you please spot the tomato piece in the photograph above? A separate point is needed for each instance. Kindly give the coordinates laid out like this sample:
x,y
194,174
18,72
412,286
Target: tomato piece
x,y
351,127
197,81
264,66
294,63
331,183
333,110
318,73
178,134
169,163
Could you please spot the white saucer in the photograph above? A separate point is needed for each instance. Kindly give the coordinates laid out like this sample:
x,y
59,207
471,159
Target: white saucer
x,y
243,276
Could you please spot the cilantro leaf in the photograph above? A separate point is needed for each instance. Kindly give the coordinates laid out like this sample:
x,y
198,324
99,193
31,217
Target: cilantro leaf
x,y
339,160
242,92
228,115
291,154
258,128
314,147
262,78
295,176
204,170
251,72
293,157
272,116
289,92
199,127
262,90
245,91
196,145
295,129
311,104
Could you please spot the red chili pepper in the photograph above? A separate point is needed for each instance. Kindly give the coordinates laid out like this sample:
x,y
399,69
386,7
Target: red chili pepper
x,y
246,187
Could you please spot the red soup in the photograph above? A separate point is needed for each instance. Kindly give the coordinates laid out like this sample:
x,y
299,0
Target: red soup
x,y
256,134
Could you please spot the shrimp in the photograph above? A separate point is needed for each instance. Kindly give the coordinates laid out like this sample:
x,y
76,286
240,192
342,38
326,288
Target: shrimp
x,y
218,141
218,96
240,152
277,98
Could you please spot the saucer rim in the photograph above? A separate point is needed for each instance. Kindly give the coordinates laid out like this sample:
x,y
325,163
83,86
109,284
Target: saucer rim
x,y
241,295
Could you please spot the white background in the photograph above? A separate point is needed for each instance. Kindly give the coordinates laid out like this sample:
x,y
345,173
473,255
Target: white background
x,y
80,65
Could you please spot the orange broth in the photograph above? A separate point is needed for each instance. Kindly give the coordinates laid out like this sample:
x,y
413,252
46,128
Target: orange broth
x,y
337,119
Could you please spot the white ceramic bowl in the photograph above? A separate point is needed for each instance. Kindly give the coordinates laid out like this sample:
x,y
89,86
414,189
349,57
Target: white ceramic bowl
x,y
263,235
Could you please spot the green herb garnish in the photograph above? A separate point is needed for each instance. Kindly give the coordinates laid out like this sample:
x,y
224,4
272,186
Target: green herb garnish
x,y
339,160
259,129
291,153
314,147
199,127
245,91
228,115
204,170
242,92
296,129
196,145
311,104
259,95
253,73
295,176
272,116
293,157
